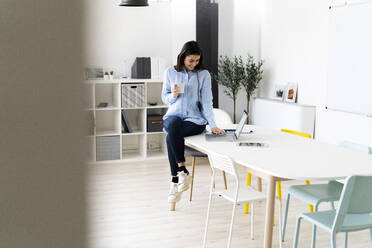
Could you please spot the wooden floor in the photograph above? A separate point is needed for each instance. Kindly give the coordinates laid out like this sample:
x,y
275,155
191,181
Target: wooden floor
x,y
128,208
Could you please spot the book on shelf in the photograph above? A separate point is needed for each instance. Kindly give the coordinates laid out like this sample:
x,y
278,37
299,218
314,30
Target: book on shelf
x,y
125,122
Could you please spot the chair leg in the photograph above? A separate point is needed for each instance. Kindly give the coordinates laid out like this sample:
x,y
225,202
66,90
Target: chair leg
x,y
279,194
214,183
298,223
252,221
333,240
311,207
313,235
280,223
249,181
370,234
231,225
224,179
345,239
246,208
285,216
192,177
208,214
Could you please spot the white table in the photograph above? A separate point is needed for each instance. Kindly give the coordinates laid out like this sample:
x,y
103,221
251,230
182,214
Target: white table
x,y
288,157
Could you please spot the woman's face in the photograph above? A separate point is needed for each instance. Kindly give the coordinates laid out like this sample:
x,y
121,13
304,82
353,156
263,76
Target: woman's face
x,y
191,61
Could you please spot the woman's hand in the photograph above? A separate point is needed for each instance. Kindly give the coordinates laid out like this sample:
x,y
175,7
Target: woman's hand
x,y
216,130
175,91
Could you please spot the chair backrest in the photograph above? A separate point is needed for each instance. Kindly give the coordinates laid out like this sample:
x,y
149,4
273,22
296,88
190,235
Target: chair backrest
x,y
222,162
221,117
356,147
356,198
306,135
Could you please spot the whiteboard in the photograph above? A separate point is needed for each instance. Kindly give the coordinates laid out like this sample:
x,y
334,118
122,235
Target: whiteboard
x,y
349,86
278,115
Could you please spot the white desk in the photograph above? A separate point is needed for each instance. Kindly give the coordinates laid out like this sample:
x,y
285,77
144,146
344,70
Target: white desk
x,y
287,157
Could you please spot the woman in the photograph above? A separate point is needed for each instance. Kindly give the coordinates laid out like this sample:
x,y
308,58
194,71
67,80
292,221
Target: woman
x,y
188,113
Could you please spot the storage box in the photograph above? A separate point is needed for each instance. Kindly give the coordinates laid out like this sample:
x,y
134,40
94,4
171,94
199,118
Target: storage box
x,y
108,148
154,123
133,95
141,68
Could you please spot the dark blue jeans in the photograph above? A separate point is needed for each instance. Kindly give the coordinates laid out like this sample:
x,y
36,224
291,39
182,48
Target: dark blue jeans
x,y
177,129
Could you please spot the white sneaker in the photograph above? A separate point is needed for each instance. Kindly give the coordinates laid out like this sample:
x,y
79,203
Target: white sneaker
x,y
174,194
184,181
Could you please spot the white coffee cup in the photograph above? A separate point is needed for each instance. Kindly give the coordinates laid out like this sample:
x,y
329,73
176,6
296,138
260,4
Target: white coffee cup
x,y
181,87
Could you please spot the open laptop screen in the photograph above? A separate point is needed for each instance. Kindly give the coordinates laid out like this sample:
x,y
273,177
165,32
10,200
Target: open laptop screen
x,y
240,126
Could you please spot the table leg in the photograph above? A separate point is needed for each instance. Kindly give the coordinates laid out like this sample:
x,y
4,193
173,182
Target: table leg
x,y
270,206
172,206
259,184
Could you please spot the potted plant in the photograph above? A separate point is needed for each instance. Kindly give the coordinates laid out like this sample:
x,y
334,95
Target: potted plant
x,y
111,75
253,72
106,75
230,75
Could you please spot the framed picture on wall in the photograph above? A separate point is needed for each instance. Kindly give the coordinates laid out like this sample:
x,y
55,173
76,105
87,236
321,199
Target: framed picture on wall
x,y
279,92
291,92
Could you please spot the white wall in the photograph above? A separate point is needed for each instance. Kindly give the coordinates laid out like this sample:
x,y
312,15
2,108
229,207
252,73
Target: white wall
x,y
115,35
183,25
239,34
42,168
295,49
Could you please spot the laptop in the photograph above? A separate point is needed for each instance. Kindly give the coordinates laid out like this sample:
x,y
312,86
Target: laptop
x,y
229,136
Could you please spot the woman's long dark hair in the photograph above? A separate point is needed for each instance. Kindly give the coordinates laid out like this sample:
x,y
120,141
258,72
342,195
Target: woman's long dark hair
x,y
190,48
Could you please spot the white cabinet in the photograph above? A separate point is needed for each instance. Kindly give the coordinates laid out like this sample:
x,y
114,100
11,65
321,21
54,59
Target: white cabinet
x,y
105,102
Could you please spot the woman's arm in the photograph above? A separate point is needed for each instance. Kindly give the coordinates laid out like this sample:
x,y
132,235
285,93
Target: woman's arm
x,y
207,100
166,94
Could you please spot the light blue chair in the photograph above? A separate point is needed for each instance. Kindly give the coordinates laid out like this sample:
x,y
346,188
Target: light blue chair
x,y
356,147
315,194
352,214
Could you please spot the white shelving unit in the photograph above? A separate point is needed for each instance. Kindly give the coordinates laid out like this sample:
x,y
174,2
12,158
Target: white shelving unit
x,y
107,138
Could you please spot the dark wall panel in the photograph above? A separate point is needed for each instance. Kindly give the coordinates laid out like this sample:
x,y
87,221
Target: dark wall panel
x,y
207,37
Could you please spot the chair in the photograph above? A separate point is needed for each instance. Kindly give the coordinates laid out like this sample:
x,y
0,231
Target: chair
x,y
352,214
318,193
236,196
221,118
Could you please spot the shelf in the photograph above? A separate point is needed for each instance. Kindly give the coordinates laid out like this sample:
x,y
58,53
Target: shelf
x,y
157,106
107,93
133,133
132,146
138,80
109,143
133,108
107,133
108,122
156,154
132,155
136,119
162,132
122,80
102,81
108,108
156,145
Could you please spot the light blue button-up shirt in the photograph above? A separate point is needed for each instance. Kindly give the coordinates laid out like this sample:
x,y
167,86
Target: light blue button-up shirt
x,y
185,105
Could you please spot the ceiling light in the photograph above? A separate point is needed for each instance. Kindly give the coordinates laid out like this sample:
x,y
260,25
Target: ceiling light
x,y
134,3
